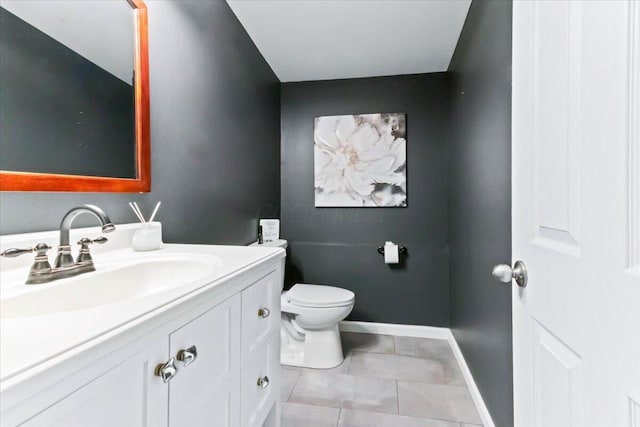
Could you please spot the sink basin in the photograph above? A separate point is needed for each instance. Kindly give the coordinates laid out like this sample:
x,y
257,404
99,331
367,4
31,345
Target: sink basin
x,y
112,283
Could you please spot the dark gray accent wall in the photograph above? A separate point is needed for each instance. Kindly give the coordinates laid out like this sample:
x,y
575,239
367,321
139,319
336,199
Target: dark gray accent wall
x,y
215,133
338,246
480,201
54,100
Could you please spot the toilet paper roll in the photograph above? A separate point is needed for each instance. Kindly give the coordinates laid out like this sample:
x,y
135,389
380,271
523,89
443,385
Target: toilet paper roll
x,y
391,253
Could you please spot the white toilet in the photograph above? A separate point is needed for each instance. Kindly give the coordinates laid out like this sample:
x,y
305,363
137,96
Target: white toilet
x,y
310,314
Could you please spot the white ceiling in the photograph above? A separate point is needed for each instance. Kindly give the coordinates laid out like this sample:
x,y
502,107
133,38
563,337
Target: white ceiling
x,y
335,39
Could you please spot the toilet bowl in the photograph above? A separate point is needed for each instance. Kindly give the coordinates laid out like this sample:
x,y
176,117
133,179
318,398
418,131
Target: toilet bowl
x,y
310,314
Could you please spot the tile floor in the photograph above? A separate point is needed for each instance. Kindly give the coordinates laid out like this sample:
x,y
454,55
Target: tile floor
x,y
385,381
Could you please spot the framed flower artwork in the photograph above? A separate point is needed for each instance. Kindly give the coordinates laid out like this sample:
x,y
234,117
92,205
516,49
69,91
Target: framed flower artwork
x,y
361,160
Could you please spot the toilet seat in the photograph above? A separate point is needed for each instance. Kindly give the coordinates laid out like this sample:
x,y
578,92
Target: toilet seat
x,y
318,296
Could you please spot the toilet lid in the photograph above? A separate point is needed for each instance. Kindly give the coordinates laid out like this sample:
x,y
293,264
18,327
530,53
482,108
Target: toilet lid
x,y
319,295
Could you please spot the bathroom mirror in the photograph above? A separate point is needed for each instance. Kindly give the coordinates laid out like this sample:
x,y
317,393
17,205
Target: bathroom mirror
x,y
74,96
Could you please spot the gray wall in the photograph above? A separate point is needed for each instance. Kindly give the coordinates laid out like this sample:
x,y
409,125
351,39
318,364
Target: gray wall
x,y
338,246
480,201
215,117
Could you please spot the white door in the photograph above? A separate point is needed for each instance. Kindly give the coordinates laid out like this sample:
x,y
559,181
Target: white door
x,y
576,212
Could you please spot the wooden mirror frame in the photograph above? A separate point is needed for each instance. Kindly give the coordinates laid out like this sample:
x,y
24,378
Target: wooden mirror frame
x,y
28,181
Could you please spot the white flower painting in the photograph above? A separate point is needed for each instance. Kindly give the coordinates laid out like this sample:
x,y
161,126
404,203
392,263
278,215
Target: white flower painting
x,y
360,160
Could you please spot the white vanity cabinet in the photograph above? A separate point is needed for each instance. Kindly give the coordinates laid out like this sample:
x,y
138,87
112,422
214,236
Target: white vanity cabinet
x,y
221,366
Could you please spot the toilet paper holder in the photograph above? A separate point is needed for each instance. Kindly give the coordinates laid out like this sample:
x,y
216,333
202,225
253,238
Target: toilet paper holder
x,y
402,250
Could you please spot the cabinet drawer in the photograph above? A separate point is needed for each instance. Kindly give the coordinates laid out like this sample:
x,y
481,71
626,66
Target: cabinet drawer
x,y
260,313
260,387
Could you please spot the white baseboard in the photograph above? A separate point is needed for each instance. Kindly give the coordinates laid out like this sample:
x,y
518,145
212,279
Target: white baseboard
x,y
427,332
471,384
393,329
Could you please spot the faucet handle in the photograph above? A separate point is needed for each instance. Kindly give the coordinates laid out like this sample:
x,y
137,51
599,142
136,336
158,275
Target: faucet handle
x,y
100,240
84,257
14,252
85,242
40,249
40,267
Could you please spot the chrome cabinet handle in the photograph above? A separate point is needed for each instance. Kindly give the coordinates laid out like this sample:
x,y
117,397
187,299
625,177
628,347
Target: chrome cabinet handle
x,y
506,274
167,370
188,356
264,312
263,382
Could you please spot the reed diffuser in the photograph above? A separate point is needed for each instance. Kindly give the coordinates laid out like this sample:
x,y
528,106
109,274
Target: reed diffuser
x,y
149,236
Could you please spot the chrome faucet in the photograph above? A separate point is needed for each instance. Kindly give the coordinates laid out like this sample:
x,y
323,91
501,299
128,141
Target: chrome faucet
x,y
64,266
64,258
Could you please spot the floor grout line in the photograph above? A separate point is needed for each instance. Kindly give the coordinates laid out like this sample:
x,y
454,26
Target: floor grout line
x,y
349,373
399,380
433,359
397,397
350,364
322,406
294,386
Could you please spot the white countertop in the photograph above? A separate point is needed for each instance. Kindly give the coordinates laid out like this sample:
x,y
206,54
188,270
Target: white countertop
x,y
30,344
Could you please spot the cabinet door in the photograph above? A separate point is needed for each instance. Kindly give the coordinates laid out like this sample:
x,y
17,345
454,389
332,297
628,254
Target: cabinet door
x,y
206,391
260,313
127,395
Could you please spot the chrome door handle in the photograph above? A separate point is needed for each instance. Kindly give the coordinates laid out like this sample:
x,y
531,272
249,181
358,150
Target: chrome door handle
x,y
166,370
188,356
263,382
264,312
506,274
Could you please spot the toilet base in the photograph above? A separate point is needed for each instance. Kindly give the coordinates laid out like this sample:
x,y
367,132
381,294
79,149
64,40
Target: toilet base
x,y
320,349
